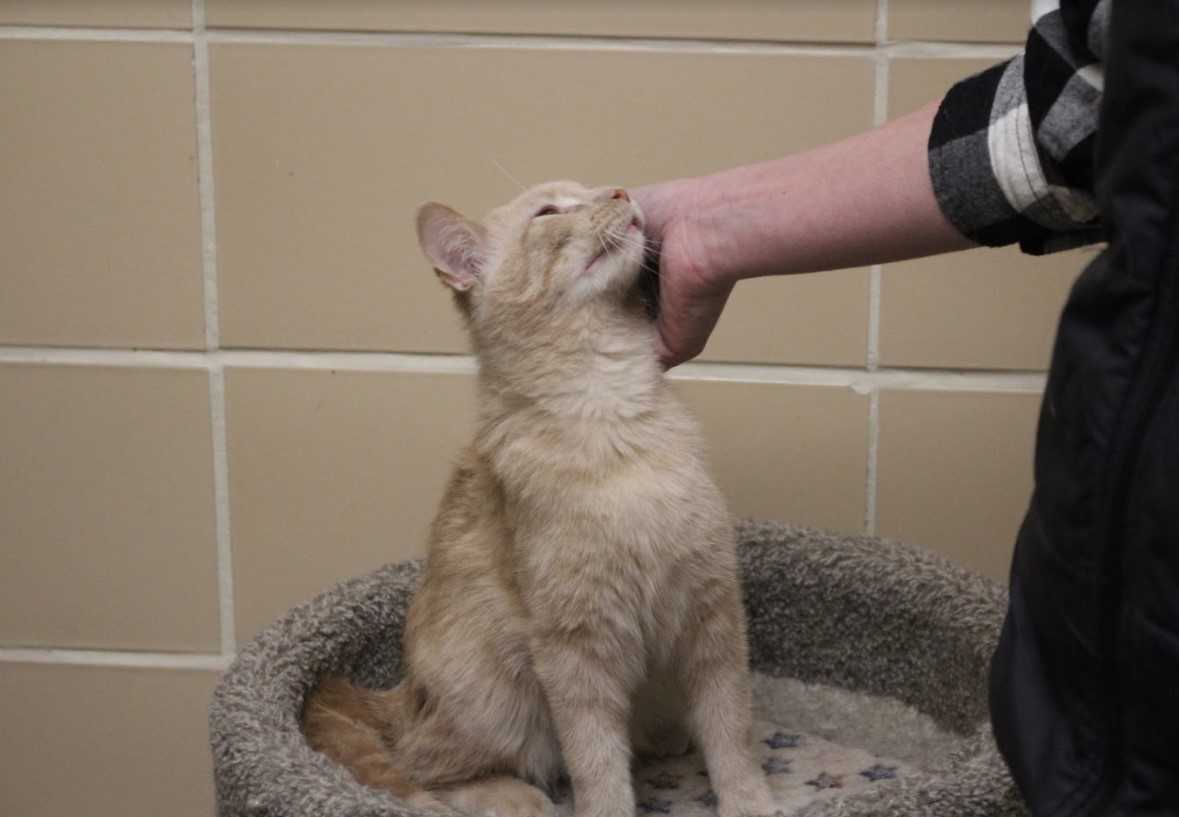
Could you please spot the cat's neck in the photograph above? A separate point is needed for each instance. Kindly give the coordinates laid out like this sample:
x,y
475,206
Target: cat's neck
x,y
597,365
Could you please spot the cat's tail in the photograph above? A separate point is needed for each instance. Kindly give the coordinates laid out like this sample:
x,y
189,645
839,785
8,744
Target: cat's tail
x,y
356,727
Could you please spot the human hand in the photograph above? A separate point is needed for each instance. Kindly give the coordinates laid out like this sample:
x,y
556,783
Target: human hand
x,y
864,200
692,289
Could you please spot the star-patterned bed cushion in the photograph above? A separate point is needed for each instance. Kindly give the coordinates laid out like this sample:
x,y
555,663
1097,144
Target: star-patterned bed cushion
x,y
800,768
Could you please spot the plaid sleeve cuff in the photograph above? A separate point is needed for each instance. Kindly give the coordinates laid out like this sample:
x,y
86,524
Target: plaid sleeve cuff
x,y
1006,170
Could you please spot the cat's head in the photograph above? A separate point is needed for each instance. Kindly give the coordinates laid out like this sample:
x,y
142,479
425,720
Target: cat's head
x,y
554,250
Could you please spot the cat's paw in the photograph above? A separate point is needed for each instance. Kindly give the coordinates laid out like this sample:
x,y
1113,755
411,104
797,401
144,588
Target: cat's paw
x,y
755,810
773,811
751,804
499,797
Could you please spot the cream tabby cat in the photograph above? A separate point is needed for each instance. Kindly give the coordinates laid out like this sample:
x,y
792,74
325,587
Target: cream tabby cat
x,y
580,602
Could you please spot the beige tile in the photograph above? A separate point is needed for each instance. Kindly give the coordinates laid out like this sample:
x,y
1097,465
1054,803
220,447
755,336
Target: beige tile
x,y
799,20
333,474
985,21
792,453
99,219
954,473
105,742
914,82
106,509
811,319
984,308
323,153
119,13
980,309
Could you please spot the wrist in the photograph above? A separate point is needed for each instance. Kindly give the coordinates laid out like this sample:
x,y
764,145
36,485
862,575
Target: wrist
x,y
692,221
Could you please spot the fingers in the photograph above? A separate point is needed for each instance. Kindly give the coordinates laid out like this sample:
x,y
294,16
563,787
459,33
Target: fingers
x,y
666,358
691,294
687,315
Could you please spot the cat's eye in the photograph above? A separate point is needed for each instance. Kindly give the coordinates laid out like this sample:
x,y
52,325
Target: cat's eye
x,y
547,210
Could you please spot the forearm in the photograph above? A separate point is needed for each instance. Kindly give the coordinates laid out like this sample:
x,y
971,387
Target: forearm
x,y
864,200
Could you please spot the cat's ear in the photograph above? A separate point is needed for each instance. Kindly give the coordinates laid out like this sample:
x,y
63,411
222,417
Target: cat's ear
x,y
455,245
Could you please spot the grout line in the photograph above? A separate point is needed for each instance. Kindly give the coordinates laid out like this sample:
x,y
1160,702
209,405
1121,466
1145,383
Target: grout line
x,y
216,376
240,358
932,50
880,29
118,35
871,476
352,361
221,505
205,182
875,273
560,42
862,381
114,658
856,378
929,50
879,117
76,356
880,87
872,364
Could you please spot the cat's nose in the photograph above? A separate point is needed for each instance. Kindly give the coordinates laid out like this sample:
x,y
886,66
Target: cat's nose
x,y
619,193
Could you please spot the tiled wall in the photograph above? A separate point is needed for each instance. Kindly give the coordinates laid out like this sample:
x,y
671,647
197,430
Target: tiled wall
x,y
228,379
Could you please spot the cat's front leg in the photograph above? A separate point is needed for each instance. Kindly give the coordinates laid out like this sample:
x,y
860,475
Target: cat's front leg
x,y
715,665
588,696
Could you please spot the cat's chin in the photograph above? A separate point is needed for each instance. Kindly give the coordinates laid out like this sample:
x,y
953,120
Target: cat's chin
x,y
632,237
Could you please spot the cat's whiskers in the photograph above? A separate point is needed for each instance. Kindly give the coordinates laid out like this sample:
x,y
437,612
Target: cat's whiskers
x,y
623,239
602,243
508,175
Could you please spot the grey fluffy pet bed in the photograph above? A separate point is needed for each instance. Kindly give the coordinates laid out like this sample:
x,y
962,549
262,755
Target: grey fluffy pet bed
x,y
870,689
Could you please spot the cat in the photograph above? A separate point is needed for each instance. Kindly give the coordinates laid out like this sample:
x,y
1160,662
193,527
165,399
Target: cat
x,y
580,601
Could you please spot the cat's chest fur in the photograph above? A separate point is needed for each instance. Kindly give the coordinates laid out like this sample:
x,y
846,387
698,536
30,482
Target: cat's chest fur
x,y
607,508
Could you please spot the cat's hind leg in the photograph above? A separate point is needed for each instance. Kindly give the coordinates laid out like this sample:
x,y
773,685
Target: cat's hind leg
x,y
500,796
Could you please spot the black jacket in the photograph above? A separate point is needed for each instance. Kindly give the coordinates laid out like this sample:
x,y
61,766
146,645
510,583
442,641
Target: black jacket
x,y
1085,682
